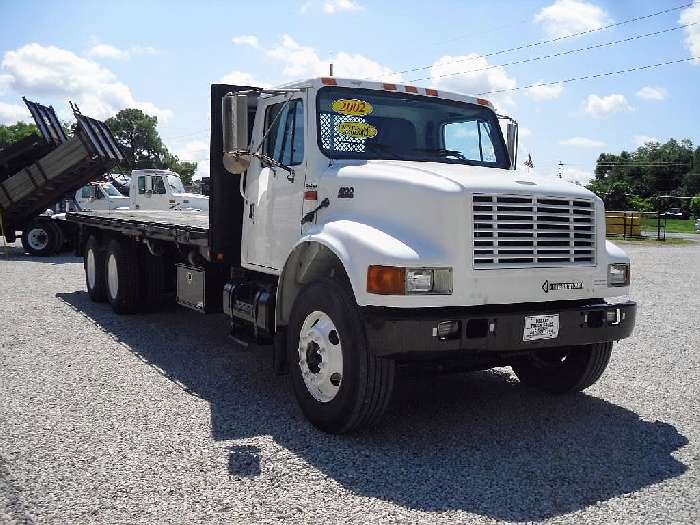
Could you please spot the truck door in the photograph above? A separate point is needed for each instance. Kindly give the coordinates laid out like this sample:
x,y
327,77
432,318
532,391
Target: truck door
x,y
275,197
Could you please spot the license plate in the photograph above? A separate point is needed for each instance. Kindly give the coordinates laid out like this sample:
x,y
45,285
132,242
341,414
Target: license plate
x,y
539,327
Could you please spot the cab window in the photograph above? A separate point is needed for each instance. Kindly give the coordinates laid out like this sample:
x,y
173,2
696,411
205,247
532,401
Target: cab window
x,y
158,185
285,140
86,192
142,185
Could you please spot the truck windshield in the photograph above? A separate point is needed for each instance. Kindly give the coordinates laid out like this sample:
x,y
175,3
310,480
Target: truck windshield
x,y
175,184
370,124
110,190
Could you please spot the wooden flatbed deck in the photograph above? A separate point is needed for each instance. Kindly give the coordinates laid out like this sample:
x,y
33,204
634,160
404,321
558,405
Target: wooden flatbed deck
x,y
181,227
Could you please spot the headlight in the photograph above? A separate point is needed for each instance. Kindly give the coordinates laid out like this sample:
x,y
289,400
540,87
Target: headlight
x,y
618,274
392,280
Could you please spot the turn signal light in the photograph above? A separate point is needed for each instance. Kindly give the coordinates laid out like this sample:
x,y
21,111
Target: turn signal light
x,y
386,280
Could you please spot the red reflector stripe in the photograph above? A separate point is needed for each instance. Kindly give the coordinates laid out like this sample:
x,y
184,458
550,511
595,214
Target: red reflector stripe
x,y
329,81
431,92
482,102
311,195
411,89
390,87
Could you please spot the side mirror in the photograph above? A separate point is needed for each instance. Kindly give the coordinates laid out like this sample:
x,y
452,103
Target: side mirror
x,y
512,143
234,120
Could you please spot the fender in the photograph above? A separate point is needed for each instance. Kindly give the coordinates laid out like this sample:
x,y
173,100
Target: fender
x,y
358,245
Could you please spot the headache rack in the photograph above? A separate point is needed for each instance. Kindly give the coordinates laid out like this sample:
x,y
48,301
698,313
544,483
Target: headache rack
x,y
524,231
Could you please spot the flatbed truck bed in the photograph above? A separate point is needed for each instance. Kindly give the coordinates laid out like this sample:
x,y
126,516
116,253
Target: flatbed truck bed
x,y
181,227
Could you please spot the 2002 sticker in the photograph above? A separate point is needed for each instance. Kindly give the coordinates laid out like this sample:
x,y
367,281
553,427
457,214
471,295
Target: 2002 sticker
x,y
352,106
357,130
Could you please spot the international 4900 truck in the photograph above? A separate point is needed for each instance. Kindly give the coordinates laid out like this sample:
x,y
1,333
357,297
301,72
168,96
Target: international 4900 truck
x,y
358,226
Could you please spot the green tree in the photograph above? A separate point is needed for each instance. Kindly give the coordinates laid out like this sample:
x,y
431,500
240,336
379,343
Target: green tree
x,y
9,134
142,146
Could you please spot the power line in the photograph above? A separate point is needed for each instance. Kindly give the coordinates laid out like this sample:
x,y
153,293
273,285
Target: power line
x,y
562,53
557,39
588,77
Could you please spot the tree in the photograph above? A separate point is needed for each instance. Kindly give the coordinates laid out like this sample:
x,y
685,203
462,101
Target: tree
x,y
142,146
9,134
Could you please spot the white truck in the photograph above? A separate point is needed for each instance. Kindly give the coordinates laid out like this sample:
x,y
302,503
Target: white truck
x,y
154,189
149,189
358,226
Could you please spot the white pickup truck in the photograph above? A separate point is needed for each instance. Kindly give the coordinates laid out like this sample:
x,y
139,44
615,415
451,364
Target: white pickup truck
x,y
362,225
101,196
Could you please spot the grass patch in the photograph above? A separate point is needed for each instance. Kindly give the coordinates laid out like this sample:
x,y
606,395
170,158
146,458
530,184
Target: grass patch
x,y
670,241
672,225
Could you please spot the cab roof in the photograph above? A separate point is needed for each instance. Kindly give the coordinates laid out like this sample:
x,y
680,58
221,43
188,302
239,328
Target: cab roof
x,y
320,82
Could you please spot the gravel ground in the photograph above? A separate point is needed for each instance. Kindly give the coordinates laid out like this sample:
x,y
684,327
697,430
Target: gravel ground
x,y
160,418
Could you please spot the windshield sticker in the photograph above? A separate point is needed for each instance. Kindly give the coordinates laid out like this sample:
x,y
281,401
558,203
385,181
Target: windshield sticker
x,y
357,130
352,107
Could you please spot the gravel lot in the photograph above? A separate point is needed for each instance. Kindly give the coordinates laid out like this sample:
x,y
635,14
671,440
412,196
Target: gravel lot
x,y
160,418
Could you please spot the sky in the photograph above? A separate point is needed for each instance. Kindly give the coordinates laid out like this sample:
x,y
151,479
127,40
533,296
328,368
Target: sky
x,y
161,57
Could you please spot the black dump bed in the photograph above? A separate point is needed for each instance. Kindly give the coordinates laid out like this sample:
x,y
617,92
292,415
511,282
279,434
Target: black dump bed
x,y
181,227
40,169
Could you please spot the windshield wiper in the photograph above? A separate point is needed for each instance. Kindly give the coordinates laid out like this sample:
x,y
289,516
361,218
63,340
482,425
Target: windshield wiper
x,y
443,153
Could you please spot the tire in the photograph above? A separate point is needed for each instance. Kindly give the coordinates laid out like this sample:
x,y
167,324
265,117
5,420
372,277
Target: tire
x,y
60,238
94,263
339,383
572,369
40,239
122,276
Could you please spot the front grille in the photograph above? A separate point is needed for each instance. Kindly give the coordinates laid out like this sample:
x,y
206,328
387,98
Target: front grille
x,y
522,231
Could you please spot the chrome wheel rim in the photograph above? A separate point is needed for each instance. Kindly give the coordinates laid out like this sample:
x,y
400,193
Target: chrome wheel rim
x,y
38,239
320,356
112,276
91,268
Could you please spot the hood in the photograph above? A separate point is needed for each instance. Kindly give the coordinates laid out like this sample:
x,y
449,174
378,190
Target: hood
x,y
191,196
446,176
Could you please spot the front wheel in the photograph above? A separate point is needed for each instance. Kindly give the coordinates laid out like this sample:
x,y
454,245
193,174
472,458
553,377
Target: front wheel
x,y
339,383
564,370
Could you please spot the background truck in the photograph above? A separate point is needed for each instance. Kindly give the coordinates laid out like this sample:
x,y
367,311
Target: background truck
x,y
154,189
359,226
38,172
101,196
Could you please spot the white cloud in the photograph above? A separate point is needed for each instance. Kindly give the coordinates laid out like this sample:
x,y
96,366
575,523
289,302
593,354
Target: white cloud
x,y
641,140
566,17
246,40
652,93
582,142
107,51
336,6
52,71
524,132
241,78
603,106
196,151
492,79
692,41
545,92
577,176
144,50
11,113
302,61
5,82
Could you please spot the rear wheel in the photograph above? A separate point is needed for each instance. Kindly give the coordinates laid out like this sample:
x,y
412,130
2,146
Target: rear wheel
x,y
40,239
339,383
560,371
122,276
95,271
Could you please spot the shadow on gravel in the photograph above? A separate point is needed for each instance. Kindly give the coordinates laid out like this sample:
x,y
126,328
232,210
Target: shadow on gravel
x,y
475,442
17,254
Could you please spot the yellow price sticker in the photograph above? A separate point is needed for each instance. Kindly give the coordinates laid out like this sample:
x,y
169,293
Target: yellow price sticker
x,y
357,130
352,106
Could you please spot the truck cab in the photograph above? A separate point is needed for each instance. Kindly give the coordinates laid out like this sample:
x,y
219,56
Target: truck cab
x,y
101,196
153,189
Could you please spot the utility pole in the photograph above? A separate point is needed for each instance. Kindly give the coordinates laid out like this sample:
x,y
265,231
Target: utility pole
x,y
331,69
560,170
